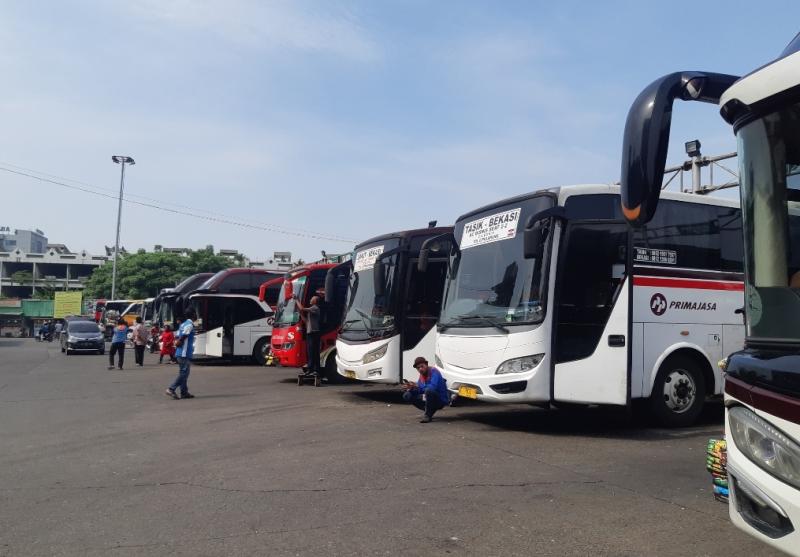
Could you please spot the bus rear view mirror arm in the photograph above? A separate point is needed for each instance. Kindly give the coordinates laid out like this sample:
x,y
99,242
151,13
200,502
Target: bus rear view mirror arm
x,y
434,244
536,231
646,138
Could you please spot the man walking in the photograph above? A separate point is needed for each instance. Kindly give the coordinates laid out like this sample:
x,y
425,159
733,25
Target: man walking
x,y
311,317
139,341
184,341
430,391
118,340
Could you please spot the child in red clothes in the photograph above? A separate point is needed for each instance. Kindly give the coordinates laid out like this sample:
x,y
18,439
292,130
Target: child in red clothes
x,y
167,345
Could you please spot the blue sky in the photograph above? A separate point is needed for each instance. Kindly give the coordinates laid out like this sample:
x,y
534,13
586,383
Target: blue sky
x,y
347,119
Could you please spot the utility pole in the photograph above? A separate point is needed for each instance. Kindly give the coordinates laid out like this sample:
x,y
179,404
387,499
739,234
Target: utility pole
x,y
121,160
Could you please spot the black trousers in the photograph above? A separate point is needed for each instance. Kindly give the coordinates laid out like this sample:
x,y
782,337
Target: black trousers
x,y
430,405
312,351
117,348
138,352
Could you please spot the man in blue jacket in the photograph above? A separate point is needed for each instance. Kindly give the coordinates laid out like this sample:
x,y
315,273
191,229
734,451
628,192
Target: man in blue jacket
x,y
185,350
430,392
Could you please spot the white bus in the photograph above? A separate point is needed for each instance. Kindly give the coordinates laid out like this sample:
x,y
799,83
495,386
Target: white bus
x,y
391,306
552,297
232,326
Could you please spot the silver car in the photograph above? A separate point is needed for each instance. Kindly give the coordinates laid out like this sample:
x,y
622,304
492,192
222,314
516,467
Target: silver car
x,y
82,336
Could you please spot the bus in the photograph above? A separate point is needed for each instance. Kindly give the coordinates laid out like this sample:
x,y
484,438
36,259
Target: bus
x,y
288,334
169,304
762,384
551,297
392,306
232,326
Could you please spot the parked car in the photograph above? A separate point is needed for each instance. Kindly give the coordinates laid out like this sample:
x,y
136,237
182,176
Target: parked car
x,y
82,336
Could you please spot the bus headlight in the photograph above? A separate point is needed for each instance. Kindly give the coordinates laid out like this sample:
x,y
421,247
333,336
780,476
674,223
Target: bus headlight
x,y
768,447
519,365
376,354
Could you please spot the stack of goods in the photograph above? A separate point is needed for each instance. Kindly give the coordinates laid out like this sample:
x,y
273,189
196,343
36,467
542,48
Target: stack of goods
x,y
717,465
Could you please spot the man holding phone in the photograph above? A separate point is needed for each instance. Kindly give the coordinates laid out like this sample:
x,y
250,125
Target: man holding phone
x,y
429,393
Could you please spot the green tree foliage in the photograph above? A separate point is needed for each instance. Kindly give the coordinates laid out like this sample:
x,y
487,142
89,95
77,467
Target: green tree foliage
x,y
21,278
143,275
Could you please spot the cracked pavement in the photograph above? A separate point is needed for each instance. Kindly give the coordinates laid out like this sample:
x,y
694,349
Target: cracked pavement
x,y
98,462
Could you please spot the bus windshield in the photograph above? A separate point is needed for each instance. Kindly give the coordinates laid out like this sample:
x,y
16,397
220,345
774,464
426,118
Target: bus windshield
x,y
769,161
370,314
287,312
490,281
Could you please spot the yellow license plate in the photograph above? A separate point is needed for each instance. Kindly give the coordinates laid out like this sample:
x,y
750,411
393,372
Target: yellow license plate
x,y
350,374
467,392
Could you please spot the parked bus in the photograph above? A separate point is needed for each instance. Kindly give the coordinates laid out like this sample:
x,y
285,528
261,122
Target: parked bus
x,y
552,298
238,281
762,385
169,304
232,326
392,306
289,346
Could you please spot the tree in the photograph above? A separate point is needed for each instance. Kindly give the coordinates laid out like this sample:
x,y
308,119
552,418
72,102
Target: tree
x,y
143,275
21,278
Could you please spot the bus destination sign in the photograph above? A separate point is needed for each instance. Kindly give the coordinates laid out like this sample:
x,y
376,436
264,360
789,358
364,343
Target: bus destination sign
x,y
500,226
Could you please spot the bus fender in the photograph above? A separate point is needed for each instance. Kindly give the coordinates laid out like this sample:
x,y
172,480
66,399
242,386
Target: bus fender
x,y
692,350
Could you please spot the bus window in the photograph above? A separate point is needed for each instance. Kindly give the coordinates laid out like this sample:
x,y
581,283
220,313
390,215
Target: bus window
x,y
245,310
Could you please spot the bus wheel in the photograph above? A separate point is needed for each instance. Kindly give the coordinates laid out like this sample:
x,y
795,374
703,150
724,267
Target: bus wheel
x,y
260,351
331,374
678,393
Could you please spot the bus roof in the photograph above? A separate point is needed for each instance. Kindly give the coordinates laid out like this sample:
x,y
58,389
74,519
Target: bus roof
x,y
561,193
407,234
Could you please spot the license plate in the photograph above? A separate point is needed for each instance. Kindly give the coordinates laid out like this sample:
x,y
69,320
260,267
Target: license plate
x,y
350,374
467,392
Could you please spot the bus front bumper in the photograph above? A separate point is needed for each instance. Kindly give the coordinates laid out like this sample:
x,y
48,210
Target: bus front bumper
x,y
491,387
375,372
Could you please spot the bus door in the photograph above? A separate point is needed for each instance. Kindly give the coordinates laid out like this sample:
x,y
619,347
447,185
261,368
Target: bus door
x,y
209,338
592,321
423,302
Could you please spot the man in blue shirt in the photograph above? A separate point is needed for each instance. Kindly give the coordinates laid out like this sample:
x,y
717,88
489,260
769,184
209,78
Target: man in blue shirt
x,y
430,392
184,340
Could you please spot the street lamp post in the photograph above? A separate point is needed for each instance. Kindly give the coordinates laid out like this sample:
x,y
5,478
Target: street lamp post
x,y
121,160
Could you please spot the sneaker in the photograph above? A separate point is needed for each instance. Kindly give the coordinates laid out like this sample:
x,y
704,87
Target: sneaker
x,y
187,395
170,393
425,419
110,367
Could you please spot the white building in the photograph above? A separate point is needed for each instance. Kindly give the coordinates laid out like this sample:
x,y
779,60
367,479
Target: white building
x,y
21,272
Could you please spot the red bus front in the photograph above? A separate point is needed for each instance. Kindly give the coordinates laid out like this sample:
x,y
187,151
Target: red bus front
x,y
288,338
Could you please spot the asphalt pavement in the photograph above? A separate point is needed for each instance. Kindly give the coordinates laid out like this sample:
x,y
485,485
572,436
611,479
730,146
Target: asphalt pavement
x,y
98,462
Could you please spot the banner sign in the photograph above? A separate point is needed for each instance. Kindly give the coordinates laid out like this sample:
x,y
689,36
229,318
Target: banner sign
x,y
67,303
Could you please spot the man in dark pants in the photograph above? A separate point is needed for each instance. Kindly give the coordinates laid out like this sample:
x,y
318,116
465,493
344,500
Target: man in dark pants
x,y
184,352
311,317
429,393
118,343
139,341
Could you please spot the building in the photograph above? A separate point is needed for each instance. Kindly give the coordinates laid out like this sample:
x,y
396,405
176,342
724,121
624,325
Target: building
x,y
29,241
21,271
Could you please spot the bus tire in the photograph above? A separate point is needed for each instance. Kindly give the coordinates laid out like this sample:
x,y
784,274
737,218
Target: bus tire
x,y
331,374
260,351
679,392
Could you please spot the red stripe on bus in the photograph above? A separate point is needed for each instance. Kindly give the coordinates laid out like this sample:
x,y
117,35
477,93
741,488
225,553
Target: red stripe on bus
x,y
665,282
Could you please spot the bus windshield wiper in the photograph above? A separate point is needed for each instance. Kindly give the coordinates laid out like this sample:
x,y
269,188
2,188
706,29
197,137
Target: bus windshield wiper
x,y
488,320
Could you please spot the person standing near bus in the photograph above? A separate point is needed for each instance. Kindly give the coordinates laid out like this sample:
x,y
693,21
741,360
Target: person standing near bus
x,y
139,341
118,340
311,316
184,341
429,393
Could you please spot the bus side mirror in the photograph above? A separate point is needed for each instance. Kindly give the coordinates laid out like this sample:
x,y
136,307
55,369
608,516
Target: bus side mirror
x,y
422,262
287,291
329,282
536,230
646,138
379,278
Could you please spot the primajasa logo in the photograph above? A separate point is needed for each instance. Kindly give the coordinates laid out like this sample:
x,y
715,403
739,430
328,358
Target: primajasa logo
x,y
659,305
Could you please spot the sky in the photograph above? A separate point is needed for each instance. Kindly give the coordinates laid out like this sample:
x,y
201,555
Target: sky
x,y
322,124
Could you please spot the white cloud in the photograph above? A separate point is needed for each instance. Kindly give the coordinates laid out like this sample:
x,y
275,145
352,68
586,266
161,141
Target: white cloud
x,y
273,24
